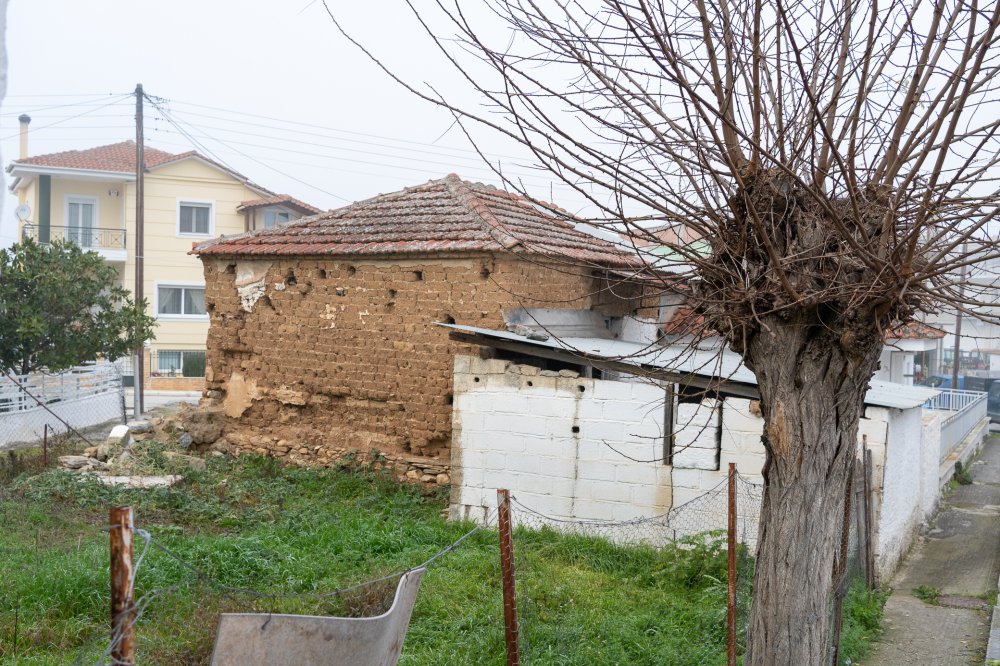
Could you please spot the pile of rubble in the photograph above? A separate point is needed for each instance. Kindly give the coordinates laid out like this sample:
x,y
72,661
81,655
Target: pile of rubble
x,y
114,461
201,430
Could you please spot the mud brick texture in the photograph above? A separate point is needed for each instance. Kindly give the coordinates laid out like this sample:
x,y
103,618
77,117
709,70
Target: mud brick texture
x,y
340,353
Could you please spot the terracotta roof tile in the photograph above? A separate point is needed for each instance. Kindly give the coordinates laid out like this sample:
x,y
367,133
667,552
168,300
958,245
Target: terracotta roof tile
x,y
446,215
914,330
277,200
114,157
120,158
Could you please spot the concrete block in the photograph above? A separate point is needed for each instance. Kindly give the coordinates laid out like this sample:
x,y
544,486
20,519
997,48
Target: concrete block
x,y
119,436
590,470
593,509
696,458
555,506
495,461
462,363
600,429
876,430
651,498
560,407
513,403
555,447
612,390
639,473
542,485
564,467
737,417
611,491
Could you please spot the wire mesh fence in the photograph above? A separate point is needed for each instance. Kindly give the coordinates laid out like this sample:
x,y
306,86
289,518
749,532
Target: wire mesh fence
x,y
678,559
35,406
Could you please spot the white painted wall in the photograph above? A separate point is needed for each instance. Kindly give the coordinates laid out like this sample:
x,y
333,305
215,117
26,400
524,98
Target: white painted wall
x,y
513,428
899,495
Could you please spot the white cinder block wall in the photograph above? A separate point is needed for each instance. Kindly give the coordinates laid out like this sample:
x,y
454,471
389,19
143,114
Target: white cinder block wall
x,y
561,444
578,448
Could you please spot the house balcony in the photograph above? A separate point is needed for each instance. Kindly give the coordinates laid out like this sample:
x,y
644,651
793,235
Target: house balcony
x,y
109,243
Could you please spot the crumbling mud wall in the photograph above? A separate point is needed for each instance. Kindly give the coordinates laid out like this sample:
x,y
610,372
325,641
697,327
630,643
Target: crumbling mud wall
x,y
324,355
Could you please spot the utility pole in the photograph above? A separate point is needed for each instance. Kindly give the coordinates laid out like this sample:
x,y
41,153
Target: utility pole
x,y
957,358
140,205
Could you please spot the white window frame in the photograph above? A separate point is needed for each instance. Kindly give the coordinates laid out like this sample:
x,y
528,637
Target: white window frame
x,y
81,199
188,201
178,285
276,211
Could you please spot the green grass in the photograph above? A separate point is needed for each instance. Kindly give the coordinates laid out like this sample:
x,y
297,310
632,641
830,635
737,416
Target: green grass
x,y
250,522
863,611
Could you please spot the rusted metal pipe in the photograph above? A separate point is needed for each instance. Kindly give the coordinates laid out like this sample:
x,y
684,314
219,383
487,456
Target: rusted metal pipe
x,y
122,607
507,575
840,572
869,551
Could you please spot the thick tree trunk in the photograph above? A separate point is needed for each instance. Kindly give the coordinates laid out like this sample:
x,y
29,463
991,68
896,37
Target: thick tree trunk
x,y
812,382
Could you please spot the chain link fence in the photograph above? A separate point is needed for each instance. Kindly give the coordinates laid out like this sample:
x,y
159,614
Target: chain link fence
x,y
36,406
680,558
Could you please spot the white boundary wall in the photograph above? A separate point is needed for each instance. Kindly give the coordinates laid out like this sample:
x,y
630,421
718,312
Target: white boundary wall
x,y
83,396
513,428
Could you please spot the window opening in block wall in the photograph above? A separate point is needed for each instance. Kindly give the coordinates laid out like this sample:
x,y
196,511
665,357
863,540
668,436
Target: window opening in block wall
x,y
677,395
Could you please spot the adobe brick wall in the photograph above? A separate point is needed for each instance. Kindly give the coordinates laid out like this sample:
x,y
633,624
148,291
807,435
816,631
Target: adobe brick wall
x,y
327,353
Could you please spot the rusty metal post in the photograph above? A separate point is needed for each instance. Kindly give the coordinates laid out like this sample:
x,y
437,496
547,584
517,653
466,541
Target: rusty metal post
x,y
45,445
840,569
507,574
122,607
731,605
869,552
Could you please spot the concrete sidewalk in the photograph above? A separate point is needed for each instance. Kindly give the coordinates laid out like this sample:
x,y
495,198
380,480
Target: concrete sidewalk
x,y
960,557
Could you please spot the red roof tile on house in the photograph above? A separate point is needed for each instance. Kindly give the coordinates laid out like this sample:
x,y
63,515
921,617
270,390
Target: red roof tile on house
x,y
446,215
114,157
277,200
120,158
914,330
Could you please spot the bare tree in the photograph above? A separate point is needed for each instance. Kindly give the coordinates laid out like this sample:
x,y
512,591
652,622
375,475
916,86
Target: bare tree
x,y
840,157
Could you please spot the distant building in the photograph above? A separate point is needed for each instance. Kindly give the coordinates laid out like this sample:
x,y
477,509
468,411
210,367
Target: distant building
x,y
88,196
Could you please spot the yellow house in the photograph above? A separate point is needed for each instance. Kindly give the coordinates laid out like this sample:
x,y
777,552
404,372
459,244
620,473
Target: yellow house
x,y
88,196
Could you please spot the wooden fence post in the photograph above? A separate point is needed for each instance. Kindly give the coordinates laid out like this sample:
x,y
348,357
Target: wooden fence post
x,y
122,606
507,574
731,605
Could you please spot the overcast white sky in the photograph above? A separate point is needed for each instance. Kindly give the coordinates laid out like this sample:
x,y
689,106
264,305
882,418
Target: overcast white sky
x,y
270,88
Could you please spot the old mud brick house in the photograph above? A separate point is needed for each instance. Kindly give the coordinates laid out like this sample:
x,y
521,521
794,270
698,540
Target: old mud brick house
x,y
322,334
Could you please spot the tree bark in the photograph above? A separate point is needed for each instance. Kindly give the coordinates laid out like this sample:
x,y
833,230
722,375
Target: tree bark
x,y
812,379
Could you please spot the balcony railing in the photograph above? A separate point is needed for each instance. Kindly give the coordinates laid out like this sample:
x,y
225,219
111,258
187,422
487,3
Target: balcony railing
x,y
963,411
93,238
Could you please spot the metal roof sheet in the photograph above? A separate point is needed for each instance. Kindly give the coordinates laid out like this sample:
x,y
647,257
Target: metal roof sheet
x,y
713,363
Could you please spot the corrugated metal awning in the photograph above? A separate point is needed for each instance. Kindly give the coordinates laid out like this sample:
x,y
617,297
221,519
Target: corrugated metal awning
x,y
711,368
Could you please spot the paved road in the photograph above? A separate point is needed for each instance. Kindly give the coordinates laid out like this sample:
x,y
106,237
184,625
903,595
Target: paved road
x,y
960,556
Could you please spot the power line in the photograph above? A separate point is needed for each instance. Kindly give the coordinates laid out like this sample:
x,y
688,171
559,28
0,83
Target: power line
x,y
59,122
169,118
332,129
449,166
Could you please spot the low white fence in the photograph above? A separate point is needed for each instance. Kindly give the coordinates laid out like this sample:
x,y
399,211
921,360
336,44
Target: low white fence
x,y
964,410
82,396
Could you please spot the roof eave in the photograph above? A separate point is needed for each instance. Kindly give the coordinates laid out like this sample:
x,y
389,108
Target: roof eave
x,y
19,171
